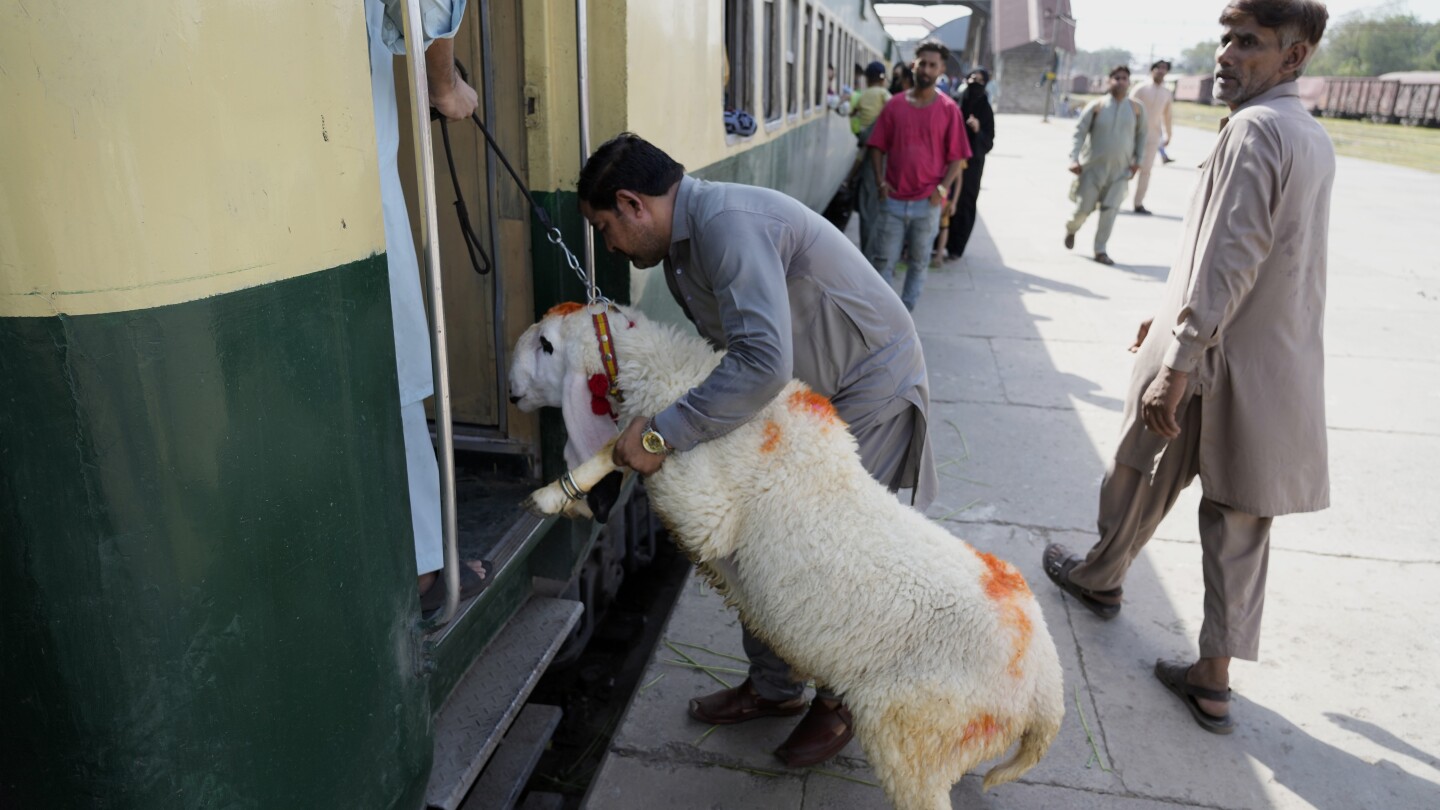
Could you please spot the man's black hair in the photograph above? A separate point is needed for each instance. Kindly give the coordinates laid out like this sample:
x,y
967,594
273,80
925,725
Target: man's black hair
x,y
933,45
1119,69
629,162
1296,20
1158,62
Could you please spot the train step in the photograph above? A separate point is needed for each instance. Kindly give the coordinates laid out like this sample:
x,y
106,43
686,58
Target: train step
x,y
504,777
543,801
483,706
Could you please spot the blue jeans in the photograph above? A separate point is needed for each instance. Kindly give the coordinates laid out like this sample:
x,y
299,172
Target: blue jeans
x,y
915,223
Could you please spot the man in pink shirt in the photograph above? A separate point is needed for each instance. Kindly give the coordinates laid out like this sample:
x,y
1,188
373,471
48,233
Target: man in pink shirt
x,y
917,150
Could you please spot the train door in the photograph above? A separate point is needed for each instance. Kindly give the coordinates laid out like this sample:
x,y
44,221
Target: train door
x,y
487,308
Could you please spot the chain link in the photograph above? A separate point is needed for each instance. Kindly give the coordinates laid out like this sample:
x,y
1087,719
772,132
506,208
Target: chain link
x,y
592,293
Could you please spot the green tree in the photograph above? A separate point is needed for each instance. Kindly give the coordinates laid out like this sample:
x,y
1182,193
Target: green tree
x,y
1198,58
1101,62
1369,45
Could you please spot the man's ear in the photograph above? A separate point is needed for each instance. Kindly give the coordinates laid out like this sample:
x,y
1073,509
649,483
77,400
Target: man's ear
x,y
630,204
1296,56
587,431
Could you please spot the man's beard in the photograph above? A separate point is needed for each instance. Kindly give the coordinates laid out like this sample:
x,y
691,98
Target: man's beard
x,y
923,82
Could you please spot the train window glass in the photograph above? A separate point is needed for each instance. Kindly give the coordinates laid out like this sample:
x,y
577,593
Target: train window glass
x,y
819,59
807,39
739,94
831,79
792,57
769,76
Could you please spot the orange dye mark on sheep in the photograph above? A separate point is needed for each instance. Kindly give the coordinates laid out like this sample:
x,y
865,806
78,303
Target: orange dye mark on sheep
x,y
1016,618
983,727
804,401
772,437
564,309
1001,579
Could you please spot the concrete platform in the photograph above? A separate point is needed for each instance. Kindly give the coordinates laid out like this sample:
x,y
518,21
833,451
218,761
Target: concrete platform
x,y
1026,344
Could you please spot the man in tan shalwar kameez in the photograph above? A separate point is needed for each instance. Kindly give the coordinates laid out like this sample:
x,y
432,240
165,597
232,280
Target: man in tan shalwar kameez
x,y
1231,386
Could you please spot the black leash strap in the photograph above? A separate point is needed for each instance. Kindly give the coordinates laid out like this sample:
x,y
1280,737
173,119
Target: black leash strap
x,y
478,258
482,263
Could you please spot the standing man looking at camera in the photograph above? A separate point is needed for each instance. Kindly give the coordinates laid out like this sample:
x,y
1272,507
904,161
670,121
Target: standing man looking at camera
x,y
1157,101
1229,376
1114,126
918,149
786,295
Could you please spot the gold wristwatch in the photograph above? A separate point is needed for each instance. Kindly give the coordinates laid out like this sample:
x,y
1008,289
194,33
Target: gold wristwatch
x,y
652,441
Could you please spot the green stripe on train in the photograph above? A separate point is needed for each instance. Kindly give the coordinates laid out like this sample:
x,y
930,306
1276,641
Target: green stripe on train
x,y
207,586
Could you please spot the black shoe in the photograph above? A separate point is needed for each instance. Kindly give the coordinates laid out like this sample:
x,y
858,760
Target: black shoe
x,y
1069,241
1059,562
1104,258
1140,209
1167,160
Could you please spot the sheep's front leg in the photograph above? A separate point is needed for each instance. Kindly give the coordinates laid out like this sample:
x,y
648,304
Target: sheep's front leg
x,y
554,497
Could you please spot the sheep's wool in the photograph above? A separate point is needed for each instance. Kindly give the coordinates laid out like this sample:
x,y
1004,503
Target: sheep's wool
x,y
939,650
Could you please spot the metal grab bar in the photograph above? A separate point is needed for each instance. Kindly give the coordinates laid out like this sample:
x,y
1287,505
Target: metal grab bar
x,y
430,249
582,62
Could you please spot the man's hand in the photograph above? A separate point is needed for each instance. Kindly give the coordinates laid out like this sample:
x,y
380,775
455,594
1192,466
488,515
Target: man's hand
x,y
973,123
1075,168
937,198
630,453
883,189
1134,167
1160,400
455,101
448,92
950,208
1140,334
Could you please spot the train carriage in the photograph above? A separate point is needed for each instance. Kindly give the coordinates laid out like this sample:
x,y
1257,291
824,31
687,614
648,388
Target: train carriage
x,y
207,581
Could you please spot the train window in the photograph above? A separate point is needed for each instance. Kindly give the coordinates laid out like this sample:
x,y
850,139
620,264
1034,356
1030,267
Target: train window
x,y
739,93
831,79
819,59
792,57
769,75
807,40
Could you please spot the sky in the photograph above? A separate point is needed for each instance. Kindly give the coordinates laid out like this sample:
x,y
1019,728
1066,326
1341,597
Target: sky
x,y
1163,29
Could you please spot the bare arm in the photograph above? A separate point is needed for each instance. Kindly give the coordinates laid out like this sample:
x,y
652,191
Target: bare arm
x,y
449,93
877,165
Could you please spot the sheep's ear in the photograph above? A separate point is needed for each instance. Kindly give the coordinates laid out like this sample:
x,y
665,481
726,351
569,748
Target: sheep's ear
x,y
588,431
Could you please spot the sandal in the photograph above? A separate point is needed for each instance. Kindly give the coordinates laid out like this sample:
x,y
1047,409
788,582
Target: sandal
x,y
1172,674
432,600
1059,562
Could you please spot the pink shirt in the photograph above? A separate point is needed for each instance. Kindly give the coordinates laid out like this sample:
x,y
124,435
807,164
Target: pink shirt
x,y
919,144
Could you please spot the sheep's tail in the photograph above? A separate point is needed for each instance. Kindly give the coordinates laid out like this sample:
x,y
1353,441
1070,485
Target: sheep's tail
x,y
1034,742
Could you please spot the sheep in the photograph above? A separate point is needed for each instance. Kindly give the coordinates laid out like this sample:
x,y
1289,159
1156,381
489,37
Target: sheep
x,y
939,650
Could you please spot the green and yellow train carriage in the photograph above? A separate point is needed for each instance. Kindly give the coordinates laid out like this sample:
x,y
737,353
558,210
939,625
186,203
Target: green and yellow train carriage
x,y
207,582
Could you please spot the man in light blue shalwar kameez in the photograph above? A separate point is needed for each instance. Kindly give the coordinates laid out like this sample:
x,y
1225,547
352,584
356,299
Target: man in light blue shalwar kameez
x,y
1115,127
384,24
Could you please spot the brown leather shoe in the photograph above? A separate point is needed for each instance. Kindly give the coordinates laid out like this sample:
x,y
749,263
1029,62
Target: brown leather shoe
x,y
821,735
741,703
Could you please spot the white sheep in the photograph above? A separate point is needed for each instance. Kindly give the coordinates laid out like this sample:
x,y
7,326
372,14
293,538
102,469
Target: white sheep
x,y
939,650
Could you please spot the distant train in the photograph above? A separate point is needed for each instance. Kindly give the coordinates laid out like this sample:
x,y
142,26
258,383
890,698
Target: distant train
x,y
1411,98
1395,98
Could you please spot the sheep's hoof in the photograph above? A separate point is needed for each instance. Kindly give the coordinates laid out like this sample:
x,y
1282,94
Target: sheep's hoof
x,y
545,502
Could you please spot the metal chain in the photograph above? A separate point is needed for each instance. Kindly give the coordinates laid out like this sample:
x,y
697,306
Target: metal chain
x,y
592,293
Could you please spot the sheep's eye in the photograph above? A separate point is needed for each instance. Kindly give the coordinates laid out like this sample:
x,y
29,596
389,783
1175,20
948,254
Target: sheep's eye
x,y
546,347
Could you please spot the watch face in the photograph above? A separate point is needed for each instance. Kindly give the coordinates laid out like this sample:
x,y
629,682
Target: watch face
x,y
652,442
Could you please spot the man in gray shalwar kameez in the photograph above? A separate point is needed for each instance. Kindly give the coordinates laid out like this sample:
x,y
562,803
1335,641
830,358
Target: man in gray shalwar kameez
x,y
786,295
1115,128
1229,385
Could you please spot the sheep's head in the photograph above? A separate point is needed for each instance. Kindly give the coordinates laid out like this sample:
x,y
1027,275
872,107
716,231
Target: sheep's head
x,y
537,369
552,366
